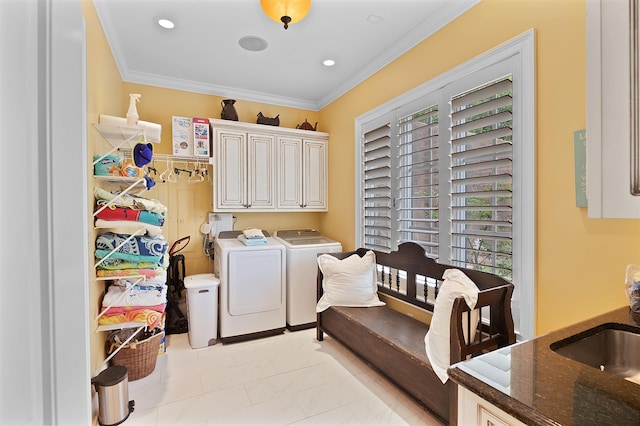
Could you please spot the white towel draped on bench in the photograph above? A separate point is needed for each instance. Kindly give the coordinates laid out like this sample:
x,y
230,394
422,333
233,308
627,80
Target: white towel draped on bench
x,y
455,284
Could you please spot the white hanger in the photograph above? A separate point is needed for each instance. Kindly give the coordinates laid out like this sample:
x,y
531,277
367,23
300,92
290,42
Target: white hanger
x,y
165,172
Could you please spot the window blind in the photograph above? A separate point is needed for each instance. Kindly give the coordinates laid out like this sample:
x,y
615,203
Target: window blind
x,y
377,188
481,178
417,186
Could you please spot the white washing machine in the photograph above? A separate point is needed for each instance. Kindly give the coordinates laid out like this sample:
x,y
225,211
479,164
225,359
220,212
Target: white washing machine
x,y
303,246
252,287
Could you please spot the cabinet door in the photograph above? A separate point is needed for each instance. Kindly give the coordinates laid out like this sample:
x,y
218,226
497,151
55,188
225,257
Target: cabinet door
x,y
231,187
315,175
289,173
261,171
473,410
613,102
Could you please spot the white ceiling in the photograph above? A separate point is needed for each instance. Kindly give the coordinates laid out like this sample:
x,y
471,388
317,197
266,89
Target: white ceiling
x,y
201,54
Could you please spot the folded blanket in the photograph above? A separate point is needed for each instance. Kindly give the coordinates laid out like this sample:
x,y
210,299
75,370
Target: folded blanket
x,y
118,310
123,213
126,256
148,316
252,233
455,284
112,264
252,241
129,200
148,296
137,249
148,273
157,281
151,230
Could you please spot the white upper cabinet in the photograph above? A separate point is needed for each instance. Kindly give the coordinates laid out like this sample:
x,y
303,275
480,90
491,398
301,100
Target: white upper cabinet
x,y
268,168
315,174
244,170
613,103
302,174
290,173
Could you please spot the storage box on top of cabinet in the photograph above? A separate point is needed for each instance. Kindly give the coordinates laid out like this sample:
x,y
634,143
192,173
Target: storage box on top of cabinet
x,y
266,168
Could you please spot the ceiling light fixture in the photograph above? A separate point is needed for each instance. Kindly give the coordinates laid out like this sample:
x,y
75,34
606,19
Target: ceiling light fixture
x,y
328,62
286,11
165,23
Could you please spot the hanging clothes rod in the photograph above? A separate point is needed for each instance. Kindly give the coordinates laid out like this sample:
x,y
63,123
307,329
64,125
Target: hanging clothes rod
x,y
171,157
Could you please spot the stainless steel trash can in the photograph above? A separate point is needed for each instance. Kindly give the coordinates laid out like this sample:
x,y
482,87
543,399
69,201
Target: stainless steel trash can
x,y
112,385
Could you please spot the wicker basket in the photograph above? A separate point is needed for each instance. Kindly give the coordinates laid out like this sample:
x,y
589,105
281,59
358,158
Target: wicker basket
x,y
139,357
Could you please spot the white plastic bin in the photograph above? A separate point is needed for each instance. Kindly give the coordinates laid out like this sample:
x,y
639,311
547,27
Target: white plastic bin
x,y
202,309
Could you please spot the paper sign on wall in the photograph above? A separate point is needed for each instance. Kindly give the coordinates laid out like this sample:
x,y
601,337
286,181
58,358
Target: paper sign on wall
x,y
201,137
182,136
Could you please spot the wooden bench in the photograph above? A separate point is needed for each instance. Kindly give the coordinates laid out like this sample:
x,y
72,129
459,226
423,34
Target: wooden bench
x,y
393,342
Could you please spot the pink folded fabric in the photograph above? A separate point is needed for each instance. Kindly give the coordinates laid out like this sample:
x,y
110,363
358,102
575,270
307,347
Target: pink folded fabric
x,y
117,310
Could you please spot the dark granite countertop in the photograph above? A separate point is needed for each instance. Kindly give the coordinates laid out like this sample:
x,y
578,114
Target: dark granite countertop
x,y
537,386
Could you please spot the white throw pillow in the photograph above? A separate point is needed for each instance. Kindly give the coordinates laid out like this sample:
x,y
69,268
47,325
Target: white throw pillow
x,y
348,282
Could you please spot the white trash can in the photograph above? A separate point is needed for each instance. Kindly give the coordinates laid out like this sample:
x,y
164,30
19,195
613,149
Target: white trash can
x,y
202,309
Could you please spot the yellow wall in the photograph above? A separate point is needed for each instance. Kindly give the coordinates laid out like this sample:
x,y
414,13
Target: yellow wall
x,y
580,262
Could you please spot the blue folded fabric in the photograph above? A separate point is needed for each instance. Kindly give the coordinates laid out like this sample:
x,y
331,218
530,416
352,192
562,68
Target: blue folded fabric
x,y
252,241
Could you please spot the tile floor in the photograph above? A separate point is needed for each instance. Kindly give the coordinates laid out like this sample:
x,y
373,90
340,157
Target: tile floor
x,y
289,379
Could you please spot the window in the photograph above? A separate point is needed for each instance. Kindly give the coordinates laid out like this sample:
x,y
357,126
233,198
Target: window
x,y
450,166
481,172
418,178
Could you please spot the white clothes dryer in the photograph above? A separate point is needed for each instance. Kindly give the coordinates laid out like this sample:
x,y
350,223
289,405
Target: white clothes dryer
x,y
252,287
303,247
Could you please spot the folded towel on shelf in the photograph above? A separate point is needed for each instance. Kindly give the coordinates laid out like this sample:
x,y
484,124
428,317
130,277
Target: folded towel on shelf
x,y
136,248
151,317
252,233
128,200
112,263
252,241
437,340
124,213
117,295
148,273
126,309
121,225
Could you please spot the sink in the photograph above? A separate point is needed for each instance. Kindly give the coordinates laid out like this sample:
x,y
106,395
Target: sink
x,y
612,348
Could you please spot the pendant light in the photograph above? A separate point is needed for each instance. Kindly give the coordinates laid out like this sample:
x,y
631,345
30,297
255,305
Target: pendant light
x,y
286,11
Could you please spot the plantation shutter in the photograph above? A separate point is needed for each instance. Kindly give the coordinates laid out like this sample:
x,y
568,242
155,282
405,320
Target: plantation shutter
x,y
418,178
481,178
378,201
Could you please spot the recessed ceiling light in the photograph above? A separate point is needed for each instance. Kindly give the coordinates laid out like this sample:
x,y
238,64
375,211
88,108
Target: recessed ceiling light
x,y
253,43
374,19
328,62
165,23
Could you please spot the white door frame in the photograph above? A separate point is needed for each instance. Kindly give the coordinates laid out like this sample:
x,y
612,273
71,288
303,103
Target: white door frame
x,y
44,356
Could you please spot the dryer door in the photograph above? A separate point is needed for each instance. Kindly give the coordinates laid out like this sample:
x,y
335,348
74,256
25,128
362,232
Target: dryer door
x,y
255,281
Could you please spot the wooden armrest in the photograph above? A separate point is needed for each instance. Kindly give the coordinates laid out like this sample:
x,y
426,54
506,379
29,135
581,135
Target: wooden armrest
x,y
498,332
